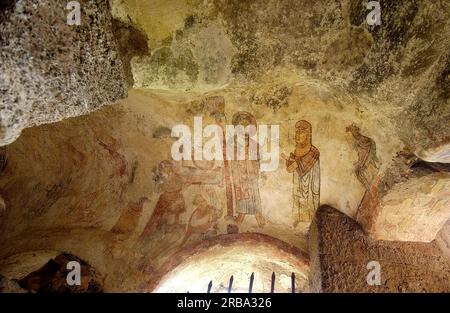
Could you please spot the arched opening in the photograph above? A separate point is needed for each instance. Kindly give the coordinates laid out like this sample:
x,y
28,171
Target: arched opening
x,y
240,256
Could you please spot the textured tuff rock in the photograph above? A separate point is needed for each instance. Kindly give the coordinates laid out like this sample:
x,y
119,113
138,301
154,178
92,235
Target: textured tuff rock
x,y
50,70
131,42
404,62
104,186
52,277
10,286
341,252
443,240
409,202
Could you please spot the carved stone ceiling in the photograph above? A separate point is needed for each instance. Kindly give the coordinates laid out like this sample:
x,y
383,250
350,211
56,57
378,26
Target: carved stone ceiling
x,y
372,102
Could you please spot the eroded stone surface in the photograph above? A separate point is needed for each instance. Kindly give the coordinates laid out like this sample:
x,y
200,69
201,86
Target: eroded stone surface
x,y
343,251
443,240
409,202
50,70
104,187
52,277
10,286
404,62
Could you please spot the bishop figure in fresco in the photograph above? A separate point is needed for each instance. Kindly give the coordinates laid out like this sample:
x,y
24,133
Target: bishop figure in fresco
x,y
304,163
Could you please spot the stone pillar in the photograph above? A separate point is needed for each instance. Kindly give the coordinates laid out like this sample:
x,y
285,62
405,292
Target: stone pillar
x,y
340,253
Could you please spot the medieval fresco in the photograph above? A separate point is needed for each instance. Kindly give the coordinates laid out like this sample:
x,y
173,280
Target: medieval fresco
x,y
366,168
304,163
146,205
245,177
203,220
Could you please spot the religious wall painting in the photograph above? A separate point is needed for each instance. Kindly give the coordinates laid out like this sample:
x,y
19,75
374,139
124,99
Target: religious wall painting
x,y
112,146
245,175
367,166
433,199
212,108
133,172
212,184
203,220
49,195
173,179
78,157
129,218
84,211
304,164
170,204
119,159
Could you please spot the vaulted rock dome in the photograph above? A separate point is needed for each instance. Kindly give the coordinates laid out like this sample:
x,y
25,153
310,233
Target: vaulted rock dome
x,y
167,146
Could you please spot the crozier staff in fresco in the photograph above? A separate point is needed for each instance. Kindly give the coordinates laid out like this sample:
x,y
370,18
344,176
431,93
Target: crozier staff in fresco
x,y
304,163
245,175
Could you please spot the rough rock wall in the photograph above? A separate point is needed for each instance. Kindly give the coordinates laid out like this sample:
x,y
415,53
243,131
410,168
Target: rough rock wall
x,y
10,286
404,61
443,240
131,42
50,70
408,202
208,45
52,277
344,252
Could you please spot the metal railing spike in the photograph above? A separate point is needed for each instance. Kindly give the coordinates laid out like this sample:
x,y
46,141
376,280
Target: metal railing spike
x,y
250,287
293,282
209,286
272,283
230,285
